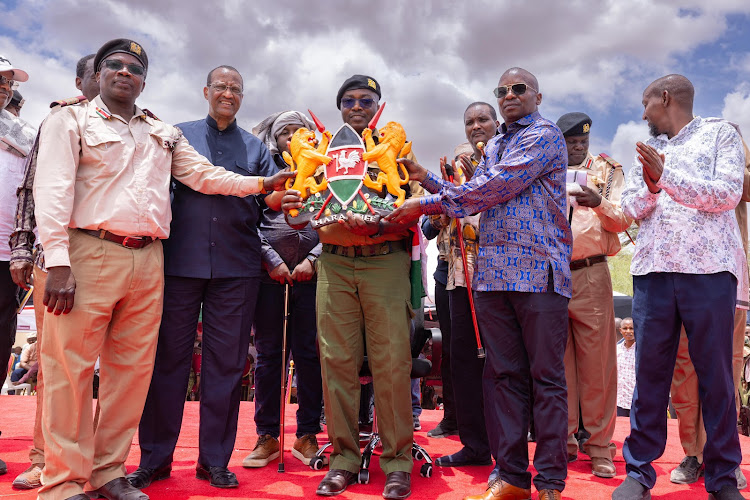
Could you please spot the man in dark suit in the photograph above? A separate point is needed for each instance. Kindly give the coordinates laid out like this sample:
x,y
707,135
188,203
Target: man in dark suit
x,y
213,261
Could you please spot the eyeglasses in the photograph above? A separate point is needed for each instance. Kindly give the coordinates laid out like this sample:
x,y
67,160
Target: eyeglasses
x,y
517,88
4,80
222,87
365,103
116,65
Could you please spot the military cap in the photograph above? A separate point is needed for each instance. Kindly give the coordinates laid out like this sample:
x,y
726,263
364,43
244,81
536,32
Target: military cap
x,y
357,82
120,45
17,99
574,124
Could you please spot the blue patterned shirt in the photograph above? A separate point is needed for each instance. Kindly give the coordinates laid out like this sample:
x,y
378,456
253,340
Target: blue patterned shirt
x,y
520,189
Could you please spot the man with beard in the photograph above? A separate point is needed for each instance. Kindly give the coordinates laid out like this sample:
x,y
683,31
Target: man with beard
x,y
102,205
590,356
363,298
27,259
683,188
521,285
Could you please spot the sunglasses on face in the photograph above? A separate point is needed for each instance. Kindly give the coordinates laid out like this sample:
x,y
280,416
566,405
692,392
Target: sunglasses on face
x,y
516,88
4,80
115,65
221,88
366,103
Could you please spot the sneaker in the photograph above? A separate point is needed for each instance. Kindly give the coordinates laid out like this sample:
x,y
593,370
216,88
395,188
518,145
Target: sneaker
x,y
305,448
266,449
443,429
741,481
630,489
29,479
417,425
687,472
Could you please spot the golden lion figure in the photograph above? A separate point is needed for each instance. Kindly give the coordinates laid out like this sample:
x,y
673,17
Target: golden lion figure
x,y
392,145
305,160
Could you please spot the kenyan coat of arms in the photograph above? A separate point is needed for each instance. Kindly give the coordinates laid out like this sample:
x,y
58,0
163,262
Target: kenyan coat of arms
x,y
347,183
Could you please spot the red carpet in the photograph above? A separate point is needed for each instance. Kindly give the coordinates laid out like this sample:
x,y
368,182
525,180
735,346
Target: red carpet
x,y
299,481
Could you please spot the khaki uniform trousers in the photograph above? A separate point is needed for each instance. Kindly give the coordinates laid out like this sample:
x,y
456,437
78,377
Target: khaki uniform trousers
x,y
685,389
591,361
367,295
116,316
36,454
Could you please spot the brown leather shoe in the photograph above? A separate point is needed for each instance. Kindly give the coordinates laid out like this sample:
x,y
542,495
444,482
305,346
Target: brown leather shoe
x,y
500,490
549,495
397,485
335,482
119,489
603,467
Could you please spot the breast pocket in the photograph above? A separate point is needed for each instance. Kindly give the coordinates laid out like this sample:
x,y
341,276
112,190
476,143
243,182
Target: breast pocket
x,y
163,145
104,148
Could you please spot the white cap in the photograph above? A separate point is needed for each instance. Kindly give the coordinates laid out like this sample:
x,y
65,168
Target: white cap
x,y
19,75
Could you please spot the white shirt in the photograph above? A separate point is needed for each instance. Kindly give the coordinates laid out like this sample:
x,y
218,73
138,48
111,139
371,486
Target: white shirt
x,y
11,176
690,227
625,375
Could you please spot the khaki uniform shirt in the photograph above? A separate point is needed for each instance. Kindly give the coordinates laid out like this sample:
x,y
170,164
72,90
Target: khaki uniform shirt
x,y
97,171
595,229
337,234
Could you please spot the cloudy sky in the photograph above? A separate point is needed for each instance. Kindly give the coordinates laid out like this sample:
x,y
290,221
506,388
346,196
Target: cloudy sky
x,y
432,58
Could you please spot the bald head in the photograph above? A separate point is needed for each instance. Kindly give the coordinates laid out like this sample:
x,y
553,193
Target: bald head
x,y
679,88
522,75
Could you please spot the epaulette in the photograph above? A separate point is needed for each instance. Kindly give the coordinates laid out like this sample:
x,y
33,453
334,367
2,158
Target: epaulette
x,y
67,102
150,114
609,160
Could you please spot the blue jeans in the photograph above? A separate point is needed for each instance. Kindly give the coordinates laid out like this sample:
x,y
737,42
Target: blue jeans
x,y
302,340
705,304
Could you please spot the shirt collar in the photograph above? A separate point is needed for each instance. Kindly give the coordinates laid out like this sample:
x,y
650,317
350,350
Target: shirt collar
x,y
521,123
98,108
212,123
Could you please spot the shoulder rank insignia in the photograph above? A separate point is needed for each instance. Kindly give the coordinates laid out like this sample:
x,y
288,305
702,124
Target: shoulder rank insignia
x,y
69,101
150,114
609,160
102,113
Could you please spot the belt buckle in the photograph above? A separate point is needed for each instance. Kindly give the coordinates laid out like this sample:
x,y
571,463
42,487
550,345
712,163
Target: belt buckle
x,y
125,242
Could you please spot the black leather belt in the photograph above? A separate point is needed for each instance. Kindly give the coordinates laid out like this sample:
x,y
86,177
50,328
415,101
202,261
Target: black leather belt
x,y
587,262
366,250
126,241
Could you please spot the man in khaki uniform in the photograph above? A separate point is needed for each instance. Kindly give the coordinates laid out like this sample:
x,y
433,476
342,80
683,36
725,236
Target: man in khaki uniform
x,y
591,355
684,388
363,299
102,207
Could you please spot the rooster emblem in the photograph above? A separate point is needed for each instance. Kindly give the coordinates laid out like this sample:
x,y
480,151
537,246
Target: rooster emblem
x,y
347,162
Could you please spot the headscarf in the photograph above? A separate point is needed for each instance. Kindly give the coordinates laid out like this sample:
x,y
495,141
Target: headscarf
x,y
269,128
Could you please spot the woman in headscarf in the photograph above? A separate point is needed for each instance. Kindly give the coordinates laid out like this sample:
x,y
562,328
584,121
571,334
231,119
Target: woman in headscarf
x,y
288,258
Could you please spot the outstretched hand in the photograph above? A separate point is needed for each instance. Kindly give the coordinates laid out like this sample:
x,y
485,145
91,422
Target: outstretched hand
x,y
416,171
406,213
277,182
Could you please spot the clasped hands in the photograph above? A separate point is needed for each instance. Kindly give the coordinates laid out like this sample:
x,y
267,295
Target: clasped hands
x,y
653,165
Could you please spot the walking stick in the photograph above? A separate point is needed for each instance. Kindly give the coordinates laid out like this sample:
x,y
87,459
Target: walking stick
x,y
283,376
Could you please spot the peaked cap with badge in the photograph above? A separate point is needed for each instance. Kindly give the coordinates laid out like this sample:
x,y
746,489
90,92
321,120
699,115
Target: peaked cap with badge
x,y
355,82
121,46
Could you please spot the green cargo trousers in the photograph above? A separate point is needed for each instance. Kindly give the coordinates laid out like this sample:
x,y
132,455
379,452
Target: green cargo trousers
x,y
370,296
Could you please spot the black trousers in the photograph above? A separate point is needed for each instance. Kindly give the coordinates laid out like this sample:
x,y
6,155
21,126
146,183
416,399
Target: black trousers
x,y
8,315
466,372
525,337
228,310
442,306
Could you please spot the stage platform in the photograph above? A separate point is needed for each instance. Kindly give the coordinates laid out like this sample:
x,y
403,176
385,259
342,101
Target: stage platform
x,y
17,415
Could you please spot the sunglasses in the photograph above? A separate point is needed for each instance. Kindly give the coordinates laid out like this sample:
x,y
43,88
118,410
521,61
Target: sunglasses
x,y
4,80
516,88
134,69
221,88
348,102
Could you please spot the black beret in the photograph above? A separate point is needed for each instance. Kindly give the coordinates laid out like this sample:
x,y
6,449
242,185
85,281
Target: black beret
x,y
16,99
357,82
574,124
121,45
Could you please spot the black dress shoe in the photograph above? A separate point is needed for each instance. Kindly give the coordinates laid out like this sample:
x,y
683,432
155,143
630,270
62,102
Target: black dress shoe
x,y
397,485
462,458
219,477
143,477
335,482
118,489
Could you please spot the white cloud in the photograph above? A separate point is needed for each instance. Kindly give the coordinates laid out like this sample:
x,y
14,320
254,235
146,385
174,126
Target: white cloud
x,y
737,109
623,143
